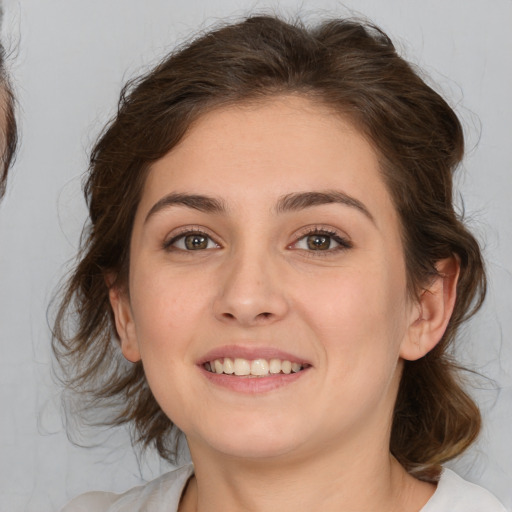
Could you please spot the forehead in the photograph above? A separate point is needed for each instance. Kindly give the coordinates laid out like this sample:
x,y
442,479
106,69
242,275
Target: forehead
x,y
254,153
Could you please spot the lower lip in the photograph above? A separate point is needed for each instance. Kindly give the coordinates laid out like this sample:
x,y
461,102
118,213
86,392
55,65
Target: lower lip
x,y
253,385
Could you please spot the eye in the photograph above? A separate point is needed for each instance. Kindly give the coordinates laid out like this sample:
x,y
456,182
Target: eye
x,y
322,241
316,242
192,241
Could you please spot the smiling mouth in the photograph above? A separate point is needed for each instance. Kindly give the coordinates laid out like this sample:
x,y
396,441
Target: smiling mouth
x,y
239,367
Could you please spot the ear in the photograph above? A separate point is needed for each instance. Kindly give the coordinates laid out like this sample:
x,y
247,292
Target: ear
x,y
432,312
125,325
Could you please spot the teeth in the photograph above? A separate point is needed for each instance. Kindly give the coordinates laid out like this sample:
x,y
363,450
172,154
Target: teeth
x,y
286,367
259,367
275,366
229,366
219,367
296,367
256,367
242,367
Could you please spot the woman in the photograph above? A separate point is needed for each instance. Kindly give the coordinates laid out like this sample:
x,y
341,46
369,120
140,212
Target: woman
x,y
273,241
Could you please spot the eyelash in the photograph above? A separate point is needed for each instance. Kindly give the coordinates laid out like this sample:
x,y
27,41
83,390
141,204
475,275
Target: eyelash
x,y
168,245
344,244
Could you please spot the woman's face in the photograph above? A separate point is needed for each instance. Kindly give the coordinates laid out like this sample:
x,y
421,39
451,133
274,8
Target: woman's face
x,y
267,237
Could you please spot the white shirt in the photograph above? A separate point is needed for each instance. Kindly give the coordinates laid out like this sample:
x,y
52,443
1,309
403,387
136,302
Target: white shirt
x,y
453,494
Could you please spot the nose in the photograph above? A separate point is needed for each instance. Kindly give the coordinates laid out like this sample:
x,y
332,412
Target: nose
x,y
251,293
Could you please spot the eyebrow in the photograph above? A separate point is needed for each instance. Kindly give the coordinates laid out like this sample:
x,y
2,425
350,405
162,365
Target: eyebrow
x,y
303,200
195,201
290,202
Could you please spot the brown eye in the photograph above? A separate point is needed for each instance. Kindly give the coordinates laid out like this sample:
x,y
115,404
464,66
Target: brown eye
x,y
192,241
319,242
196,242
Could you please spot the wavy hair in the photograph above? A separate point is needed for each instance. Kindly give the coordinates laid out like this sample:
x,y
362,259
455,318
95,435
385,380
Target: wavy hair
x,y
8,126
350,66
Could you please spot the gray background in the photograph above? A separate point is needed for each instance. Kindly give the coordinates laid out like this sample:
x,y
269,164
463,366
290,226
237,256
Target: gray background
x,y
69,61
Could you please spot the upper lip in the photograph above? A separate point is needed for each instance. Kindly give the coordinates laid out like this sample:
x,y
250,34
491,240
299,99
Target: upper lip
x,y
250,353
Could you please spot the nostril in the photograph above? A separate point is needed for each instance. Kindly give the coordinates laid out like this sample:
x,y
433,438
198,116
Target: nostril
x,y
260,316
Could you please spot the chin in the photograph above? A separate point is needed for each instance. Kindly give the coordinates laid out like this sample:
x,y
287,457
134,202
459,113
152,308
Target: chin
x,y
255,440
255,449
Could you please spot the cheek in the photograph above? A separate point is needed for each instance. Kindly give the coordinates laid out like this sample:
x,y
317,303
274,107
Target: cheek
x,y
358,315
168,307
358,312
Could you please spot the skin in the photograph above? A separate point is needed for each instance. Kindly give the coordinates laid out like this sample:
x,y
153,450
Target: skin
x,y
320,442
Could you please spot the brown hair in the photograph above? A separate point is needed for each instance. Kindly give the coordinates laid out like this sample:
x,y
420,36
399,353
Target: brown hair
x,y
350,66
8,128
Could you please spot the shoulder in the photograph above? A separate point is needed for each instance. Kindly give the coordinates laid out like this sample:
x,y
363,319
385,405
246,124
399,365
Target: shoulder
x,y
165,491
454,494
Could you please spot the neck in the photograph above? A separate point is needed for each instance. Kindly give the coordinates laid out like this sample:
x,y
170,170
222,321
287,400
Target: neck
x,y
330,481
